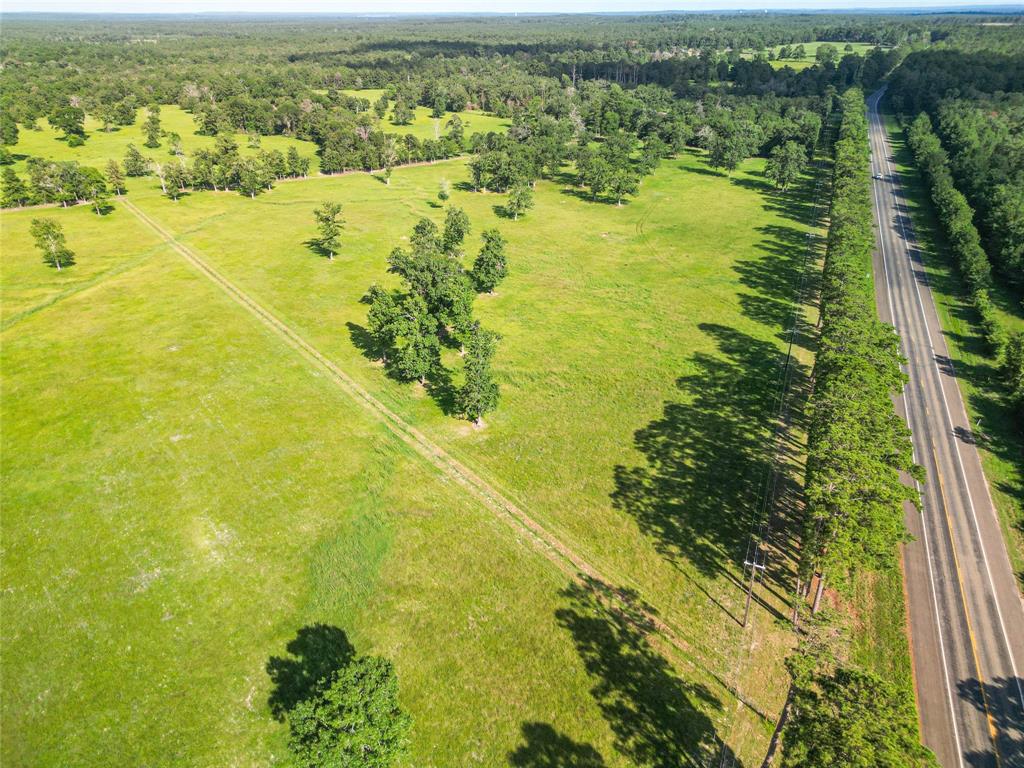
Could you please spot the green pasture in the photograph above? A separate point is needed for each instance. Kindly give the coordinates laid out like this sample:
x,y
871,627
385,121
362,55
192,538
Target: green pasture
x,y
184,493
424,126
810,49
101,146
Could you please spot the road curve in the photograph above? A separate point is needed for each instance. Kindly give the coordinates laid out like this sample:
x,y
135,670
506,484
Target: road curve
x,y
965,612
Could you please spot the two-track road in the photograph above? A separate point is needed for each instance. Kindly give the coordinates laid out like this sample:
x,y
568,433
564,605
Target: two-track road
x,y
966,617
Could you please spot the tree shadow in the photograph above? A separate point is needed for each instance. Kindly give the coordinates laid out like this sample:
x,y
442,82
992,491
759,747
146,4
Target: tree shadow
x,y
442,390
999,700
317,651
364,341
313,245
502,212
707,456
544,747
701,170
464,186
658,719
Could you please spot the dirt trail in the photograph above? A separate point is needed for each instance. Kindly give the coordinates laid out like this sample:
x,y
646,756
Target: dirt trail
x,y
557,552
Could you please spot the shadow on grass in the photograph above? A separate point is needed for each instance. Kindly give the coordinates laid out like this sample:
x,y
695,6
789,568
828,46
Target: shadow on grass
x,y
438,384
317,651
544,747
707,457
658,719
314,247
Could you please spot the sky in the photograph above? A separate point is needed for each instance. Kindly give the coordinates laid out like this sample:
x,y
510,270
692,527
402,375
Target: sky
x,y
435,6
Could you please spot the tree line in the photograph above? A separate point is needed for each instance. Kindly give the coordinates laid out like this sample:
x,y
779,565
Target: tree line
x,y
839,713
956,219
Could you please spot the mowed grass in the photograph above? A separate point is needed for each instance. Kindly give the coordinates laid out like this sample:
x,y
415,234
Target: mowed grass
x,y
183,494
640,354
101,145
811,49
424,126
1001,443
639,361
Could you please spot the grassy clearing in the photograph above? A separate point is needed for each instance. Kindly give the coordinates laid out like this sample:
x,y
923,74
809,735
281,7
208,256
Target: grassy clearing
x,y
182,495
101,145
1002,444
424,126
810,49
641,348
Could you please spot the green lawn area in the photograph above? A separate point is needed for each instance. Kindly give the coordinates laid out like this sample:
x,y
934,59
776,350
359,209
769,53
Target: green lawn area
x,y
426,127
184,493
101,145
1002,446
810,49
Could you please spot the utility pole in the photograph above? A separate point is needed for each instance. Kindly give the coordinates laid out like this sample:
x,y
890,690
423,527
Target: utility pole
x,y
755,567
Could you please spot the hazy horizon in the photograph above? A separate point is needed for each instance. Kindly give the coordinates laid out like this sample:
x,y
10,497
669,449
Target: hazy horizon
x,y
386,7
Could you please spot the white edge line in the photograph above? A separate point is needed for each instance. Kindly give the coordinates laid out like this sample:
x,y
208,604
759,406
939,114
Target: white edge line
x,y
924,526
956,442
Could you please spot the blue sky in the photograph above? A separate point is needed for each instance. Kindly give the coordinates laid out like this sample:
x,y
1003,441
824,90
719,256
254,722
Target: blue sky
x,y
433,6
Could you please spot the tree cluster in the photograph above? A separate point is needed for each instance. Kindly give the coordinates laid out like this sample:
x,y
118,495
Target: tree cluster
x,y
434,308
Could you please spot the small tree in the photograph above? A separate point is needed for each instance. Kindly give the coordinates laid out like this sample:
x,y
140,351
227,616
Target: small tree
x,y
70,120
622,182
417,350
115,177
479,393
152,127
785,164
456,227
490,266
135,164
401,114
520,200
15,193
354,721
253,177
94,189
49,237
444,190
329,223
380,107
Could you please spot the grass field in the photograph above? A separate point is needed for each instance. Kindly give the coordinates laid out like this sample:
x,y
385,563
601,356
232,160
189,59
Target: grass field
x,y
183,493
810,49
101,145
1003,445
424,126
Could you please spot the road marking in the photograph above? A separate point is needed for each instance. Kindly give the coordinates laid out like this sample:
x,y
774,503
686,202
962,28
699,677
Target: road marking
x,y
992,731
924,526
949,417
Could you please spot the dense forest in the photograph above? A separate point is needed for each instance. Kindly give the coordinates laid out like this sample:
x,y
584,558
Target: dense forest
x,y
965,113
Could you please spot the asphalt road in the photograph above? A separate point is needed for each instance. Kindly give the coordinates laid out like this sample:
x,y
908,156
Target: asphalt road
x,y
965,612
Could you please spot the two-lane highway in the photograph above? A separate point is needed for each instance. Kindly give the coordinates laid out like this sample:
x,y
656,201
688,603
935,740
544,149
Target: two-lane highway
x,y
966,617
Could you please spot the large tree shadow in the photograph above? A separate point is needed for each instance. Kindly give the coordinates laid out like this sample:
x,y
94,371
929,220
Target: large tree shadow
x,y
707,456
999,699
659,720
316,652
544,747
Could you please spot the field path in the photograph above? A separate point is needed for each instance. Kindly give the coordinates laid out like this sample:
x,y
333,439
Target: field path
x,y
557,552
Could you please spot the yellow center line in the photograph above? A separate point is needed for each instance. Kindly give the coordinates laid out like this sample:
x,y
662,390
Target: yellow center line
x,y
992,730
